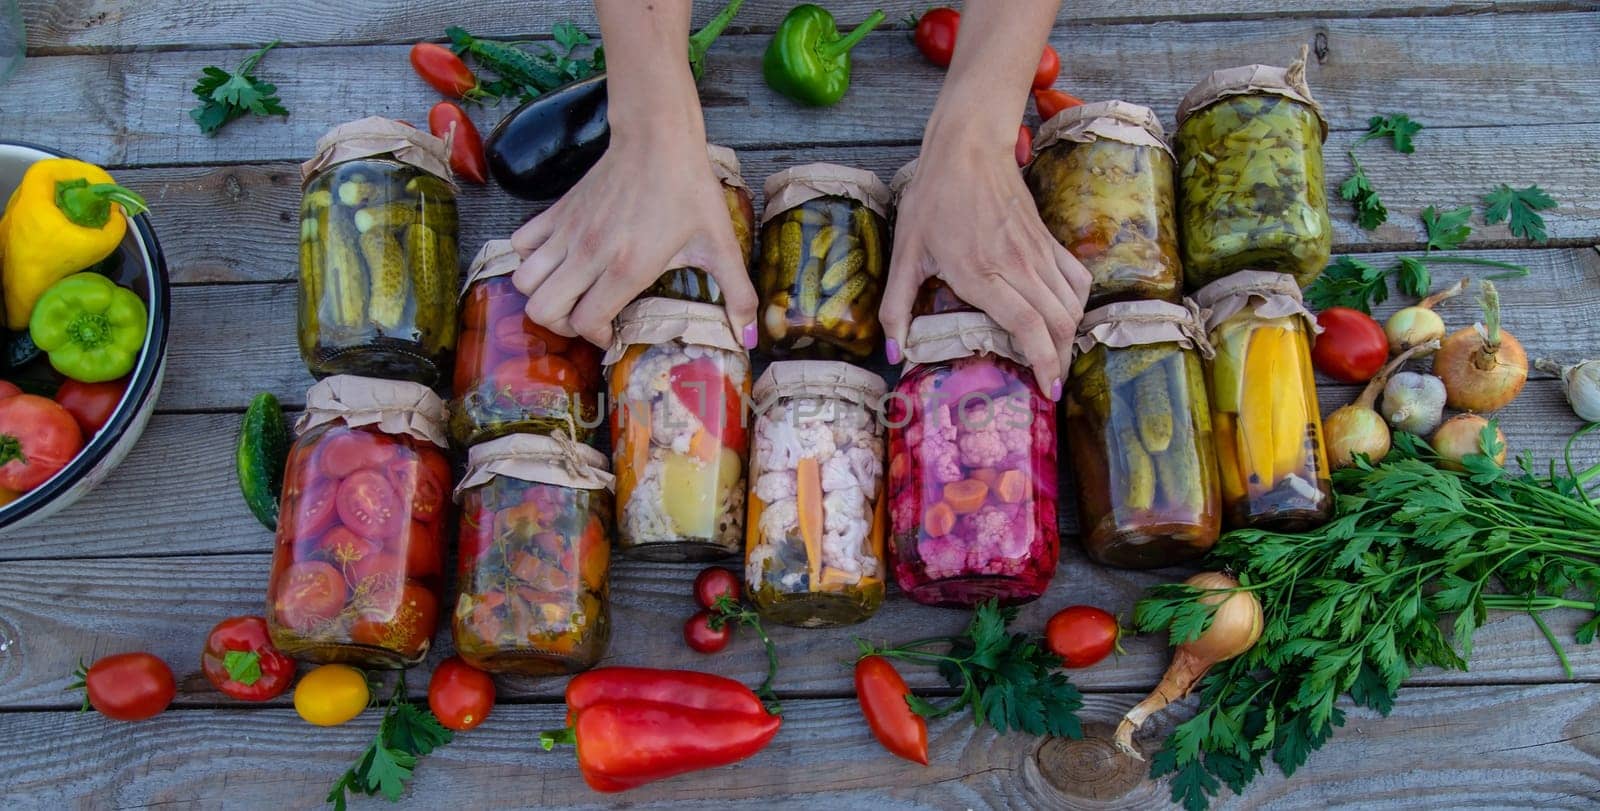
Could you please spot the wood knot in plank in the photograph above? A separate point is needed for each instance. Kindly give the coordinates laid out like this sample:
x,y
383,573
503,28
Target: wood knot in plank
x,y
1090,768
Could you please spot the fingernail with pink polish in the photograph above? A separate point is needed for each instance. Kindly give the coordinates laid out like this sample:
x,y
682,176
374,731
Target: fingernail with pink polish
x,y
749,336
1055,390
891,350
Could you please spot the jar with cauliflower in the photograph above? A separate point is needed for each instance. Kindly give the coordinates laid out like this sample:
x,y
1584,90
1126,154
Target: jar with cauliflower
x,y
694,284
972,467
814,548
678,383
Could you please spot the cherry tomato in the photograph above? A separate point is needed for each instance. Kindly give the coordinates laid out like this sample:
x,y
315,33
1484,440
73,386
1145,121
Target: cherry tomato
x,y
1024,145
1082,635
701,637
1352,346
91,404
420,545
368,504
530,380
1050,102
440,67
517,333
714,582
7,388
37,439
424,480
351,450
400,620
469,360
241,661
1049,68
314,510
345,549
882,694
331,695
466,146
309,592
935,35
128,686
460,695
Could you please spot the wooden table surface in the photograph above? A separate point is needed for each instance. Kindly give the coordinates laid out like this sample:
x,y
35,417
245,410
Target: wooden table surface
x,y
1509,91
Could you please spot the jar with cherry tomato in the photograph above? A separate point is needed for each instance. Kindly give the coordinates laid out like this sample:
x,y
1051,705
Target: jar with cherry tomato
x,y
358,564
694,284
678,382
511,374
535,549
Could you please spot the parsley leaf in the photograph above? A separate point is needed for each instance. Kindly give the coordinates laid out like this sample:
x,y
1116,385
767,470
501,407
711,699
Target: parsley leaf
x,y
1414,279
243,666
1398,127
1348,283
406,732
226,96
1357,189
1522,207
1446,230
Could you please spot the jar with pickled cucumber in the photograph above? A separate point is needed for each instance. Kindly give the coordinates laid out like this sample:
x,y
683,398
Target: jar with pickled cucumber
x,y
1271,459
512,375
1250,175
678,384
824,259
694,284
814,548
378,269
1102,178
358,564
534,556
1140,437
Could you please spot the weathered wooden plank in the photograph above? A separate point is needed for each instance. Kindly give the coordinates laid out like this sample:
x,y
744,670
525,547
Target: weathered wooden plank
x,y
127,108
1509,747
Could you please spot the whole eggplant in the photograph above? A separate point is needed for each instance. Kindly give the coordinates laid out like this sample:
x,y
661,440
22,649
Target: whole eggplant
x,y
544,147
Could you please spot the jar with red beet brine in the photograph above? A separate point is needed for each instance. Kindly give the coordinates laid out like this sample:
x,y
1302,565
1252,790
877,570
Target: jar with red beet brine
x,y
357,568
512,375
972,467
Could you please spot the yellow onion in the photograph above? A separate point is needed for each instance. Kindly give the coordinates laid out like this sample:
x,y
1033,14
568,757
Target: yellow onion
x,y
1460,436
1359,429
1419,324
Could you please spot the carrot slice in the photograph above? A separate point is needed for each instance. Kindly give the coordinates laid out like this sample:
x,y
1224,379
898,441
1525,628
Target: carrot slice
x,y
939,520
808,494
704,446
1013,486
987,475
965,496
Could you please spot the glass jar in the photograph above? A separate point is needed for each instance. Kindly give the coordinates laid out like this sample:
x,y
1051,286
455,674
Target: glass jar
x,y
814,550
378,267
1139,435
512,375
1271,459
534,553
693,284
1250,176
678,382
824,258
1102,179
972,467
357,568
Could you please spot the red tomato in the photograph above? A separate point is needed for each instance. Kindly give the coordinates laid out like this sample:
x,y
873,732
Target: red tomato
x,y
402,620
1050,102
714,400
469,360
882,694
1082,635
314,510
466,146
421,548
1049,68
1352,346
426,481
935,35
91,404
309,592
594,554
7,388
440,67
344,548
701,637
127,686
373,572
475,306
241,661
517,333
368,504
351,450
528,380
460,695
37,439
1024,145
714,582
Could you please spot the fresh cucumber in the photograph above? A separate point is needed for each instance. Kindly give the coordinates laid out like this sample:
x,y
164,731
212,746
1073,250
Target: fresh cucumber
x,y
263,448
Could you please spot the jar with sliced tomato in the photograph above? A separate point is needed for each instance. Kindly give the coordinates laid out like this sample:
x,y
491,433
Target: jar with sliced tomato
x,y
511,374
694,284
1271,460
535,549
1139,433
378,263
1101,177
814,548
972,467
824,259
678,382
358,565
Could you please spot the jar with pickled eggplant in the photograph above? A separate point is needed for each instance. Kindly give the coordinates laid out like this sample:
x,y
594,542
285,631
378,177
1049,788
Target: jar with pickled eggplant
x,y
378,265
972,467
814,549
535,549
1102,179
1140,437
694,284
357,568
824,259
1271,460
678,382
1250,175
512,375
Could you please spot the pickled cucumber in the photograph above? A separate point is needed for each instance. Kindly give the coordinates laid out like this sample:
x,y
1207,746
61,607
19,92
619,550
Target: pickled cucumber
x,y
346,281
1138,472
1152,403
386,267
833,312
841,270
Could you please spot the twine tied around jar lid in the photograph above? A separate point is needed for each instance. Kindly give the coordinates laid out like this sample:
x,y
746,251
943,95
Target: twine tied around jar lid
x,y
948,336
806,182
725,164
1137,323
819,379
1274,295
1290,83
555,459
376,135
395,406
1114,120
656,320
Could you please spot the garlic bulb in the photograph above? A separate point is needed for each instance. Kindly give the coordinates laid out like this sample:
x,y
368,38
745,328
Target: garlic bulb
x,y
1413,402
1581,383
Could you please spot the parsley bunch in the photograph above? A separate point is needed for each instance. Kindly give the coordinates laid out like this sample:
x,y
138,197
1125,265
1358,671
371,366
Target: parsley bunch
x,y
226,96
1009,680
406,732
1370,211
523,73
1402,578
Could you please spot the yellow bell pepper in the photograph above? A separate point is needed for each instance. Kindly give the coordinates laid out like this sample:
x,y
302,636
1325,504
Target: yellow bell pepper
x,y
64,216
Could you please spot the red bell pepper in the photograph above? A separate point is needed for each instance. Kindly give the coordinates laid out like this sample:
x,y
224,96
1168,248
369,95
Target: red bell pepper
x,y
713,399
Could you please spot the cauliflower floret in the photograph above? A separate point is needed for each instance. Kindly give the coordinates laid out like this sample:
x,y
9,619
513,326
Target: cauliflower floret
x,y
730,525
755,562
841,553
651,374
670,419
943,423
837,475
995,536
841,507
781,444
775,486
984,448
643,520
943,556
866,463
816,440
940,458
849,425
903,514
778,519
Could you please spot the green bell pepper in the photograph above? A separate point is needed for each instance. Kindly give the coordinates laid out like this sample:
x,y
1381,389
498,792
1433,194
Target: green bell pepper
x,y
91,328
808,60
